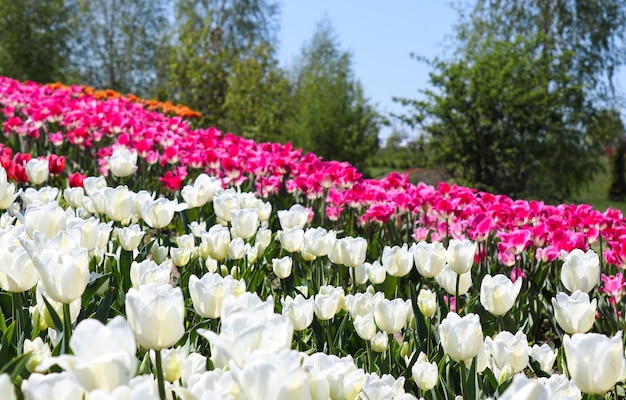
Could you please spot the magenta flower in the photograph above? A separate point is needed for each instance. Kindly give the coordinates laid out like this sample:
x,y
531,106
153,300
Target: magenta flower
x,y
613,285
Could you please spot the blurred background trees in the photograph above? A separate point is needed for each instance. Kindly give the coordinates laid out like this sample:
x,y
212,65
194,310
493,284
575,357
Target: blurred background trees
x,y
217,57
518,107
524,105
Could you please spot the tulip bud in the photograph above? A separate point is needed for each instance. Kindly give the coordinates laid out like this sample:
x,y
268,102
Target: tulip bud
x,y
379,342
39,351
223,202
63,275
447,280
73,196
359,274
180,256
47,218
318,241
303,289
172,361
353,251
148,271
425,374
160,212
217,240
427,303
119,203
326,306
505,374
159,253
17,272
7,190
263,239
237,249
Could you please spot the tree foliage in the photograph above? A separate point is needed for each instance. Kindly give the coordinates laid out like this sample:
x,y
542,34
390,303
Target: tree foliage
x,y
331,115
213,37
119,44
258,97
217,57
517,109
591,32
34,39
508,120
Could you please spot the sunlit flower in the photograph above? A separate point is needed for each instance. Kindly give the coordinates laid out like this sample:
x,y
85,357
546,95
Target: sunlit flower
x,y
155,314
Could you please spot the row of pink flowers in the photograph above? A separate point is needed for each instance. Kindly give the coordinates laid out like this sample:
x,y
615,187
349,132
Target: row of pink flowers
x,y
66,117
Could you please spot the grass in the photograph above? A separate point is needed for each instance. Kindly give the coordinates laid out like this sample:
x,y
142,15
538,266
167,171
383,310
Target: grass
x,y
595,192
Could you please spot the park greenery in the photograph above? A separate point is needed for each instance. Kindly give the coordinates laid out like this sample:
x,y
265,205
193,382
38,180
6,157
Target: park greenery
x,y
525,102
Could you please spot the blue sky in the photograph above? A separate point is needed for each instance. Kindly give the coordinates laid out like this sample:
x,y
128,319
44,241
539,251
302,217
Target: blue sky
x,y
380,35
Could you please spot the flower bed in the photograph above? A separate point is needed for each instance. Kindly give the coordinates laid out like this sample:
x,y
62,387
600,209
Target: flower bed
x,y
146,259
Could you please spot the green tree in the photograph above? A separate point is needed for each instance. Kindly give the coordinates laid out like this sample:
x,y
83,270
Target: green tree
x,y
507,119
120,43
213,37
331,116
608,128
257,100
592,32
35,37
617,187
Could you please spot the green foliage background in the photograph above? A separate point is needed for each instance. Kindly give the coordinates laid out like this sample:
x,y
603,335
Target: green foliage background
x,y
526,104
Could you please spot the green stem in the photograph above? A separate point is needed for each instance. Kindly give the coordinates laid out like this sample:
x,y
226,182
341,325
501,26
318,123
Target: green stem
x,y
462,374
390,358
18,317
456,296
67,328
428,339
368,348
159,371
329,337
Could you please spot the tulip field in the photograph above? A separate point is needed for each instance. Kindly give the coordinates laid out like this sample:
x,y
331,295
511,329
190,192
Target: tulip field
x,y
145,258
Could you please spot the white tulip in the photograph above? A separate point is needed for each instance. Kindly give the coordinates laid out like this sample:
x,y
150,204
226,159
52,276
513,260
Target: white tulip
x,y
123,162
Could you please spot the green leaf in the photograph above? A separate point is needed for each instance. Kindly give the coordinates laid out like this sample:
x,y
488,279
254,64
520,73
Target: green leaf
x,y
6,345
92,288
102,314
16,366
56,320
